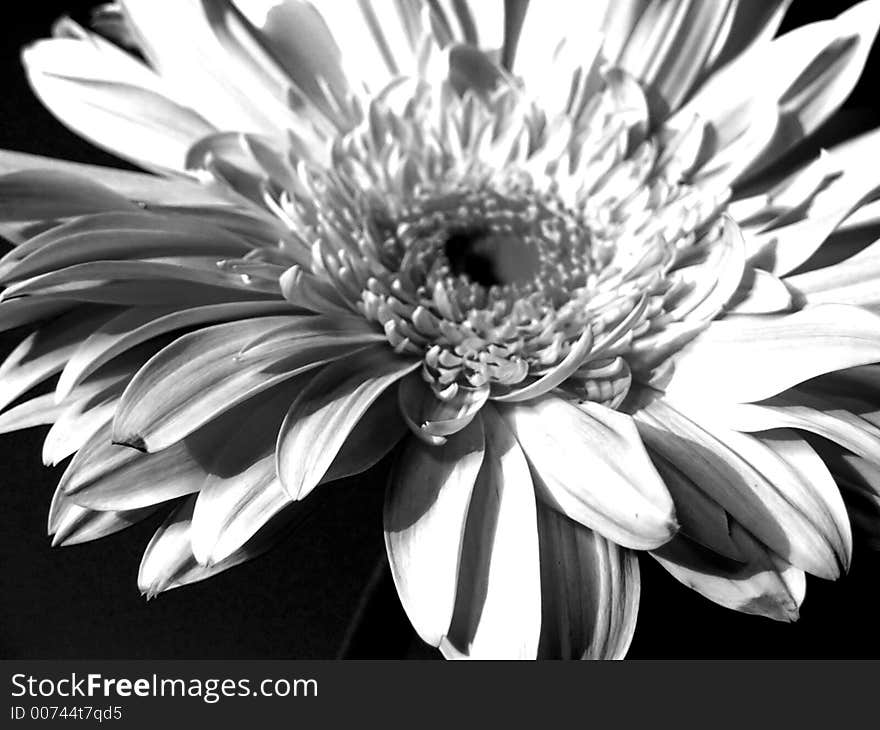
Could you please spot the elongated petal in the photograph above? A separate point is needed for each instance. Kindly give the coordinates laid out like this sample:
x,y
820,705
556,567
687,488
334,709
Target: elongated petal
x,y
112,100
670,45
133,282
106,476
127,235
29,195
758,357
78,422
72,524
203,374
241,491
593,467
220,75
135,326
836,52
376,433
590,591
498,603
796,518
759,583
327,410
753,24
45,352
701,519
844,428
810,470
852,281
168,561
426,510
40,410
136,186
297,36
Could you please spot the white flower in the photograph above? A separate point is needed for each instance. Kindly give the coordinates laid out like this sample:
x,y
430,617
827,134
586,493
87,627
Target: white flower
x,y
533,248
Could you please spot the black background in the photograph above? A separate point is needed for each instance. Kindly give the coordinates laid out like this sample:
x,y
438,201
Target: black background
x,y
296,601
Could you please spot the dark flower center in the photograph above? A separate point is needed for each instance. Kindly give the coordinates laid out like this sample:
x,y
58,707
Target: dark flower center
x,y
491,259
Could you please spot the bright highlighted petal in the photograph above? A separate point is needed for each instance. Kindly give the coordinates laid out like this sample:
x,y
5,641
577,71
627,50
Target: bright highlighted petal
x,y
426,509
758,357
498,604
592,467
325,413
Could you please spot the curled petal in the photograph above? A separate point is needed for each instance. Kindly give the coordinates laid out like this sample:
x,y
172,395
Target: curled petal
x,y
433,418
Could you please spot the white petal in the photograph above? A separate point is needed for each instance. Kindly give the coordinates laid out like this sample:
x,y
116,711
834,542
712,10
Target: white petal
x,y
590,591
589,462
759,583
498,603
327,410
206,372
113,101
751,358
796,519
425,513
71,524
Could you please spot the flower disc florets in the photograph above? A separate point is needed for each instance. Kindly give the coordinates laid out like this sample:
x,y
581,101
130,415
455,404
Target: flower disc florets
x,y
513,252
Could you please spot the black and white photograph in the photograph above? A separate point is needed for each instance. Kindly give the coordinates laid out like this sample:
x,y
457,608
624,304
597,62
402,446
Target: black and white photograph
x,y
439,329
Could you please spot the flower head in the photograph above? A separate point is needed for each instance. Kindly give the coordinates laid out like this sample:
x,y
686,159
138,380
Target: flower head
x,y
545,258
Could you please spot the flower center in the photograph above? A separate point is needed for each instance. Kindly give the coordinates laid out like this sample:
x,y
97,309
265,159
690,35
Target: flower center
x,y
491,259
508,251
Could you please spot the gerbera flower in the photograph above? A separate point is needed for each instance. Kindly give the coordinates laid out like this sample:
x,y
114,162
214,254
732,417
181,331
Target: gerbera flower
x,y
544,257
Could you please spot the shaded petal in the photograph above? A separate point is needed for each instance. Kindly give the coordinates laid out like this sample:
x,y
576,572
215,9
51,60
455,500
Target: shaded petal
x,y
590,591
72,524
135,326
830,57
45,352
790,411
128,235
426,509
215,66
797,519
168,561
854,281
206,372
136,186
327,410
300,41
670,45
588,461
106,476
28,195
241,491
759,583
753,24
79,421
701,519
374,436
